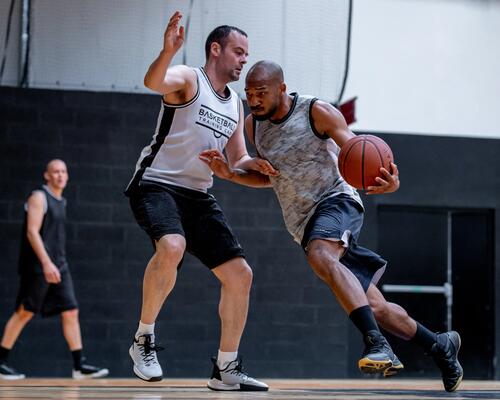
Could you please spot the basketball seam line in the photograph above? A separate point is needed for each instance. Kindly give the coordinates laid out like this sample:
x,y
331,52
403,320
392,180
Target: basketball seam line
x,y
378,152
363,164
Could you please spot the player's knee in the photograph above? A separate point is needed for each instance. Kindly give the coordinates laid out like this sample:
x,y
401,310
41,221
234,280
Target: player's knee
x,y
243,276
171,247
317,257
321,252
24,315
238,277
321,270
322,262
246,276
70,314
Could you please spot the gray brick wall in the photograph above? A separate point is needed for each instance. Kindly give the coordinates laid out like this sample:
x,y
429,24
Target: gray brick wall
x,y
294,329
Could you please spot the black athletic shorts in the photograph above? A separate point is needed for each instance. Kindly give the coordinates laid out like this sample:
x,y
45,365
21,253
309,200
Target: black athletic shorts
x,y
340,218
39,296
166,209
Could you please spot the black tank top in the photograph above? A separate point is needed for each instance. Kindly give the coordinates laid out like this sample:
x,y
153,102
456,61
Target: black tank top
x,y
53,234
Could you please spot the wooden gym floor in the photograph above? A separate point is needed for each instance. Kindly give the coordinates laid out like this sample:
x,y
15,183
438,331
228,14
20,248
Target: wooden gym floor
x,y
194,389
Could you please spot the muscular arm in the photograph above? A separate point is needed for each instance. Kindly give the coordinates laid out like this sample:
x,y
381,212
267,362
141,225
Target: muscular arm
x,y
216,161
327,120
36,205
236,149
250,178
178,83
239,162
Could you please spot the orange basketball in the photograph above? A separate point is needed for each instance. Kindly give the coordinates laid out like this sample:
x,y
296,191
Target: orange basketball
x,y
361,158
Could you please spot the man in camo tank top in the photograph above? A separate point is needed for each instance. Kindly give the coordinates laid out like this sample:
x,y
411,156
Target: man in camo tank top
x,y
299,137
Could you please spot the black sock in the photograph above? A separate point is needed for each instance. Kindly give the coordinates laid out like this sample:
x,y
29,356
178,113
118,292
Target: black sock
x,y
4,353
364,319
424,337
77,359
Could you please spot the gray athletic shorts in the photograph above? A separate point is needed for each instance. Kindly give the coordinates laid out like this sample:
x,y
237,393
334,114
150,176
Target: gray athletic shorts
x,y
340,218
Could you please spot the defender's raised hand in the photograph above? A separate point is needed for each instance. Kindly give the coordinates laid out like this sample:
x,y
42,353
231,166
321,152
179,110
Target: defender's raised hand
x,y
174,34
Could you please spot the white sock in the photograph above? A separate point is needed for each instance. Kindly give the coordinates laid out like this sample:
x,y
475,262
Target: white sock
x,y
225,357
145,329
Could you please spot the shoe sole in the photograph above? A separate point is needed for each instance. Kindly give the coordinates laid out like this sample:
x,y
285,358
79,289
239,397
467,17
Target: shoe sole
x,y
12,378
99,374
145,378
141,376
456,385
218,386
368,366
393,370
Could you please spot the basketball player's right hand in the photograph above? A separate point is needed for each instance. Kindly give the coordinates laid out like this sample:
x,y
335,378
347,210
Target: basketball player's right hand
x,y
173,37
51,273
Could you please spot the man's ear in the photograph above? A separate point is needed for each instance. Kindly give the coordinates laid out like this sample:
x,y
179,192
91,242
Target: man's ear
x,y
283,87
215,49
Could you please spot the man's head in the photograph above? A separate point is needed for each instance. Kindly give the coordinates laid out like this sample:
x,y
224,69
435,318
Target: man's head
x,y
227,46
264,88
56,174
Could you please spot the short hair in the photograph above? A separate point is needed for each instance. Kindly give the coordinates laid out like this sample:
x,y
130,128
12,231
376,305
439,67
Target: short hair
x,y
266,70
219,35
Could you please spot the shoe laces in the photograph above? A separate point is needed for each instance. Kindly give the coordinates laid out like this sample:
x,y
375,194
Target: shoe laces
x,y
376,343
237,369
148,350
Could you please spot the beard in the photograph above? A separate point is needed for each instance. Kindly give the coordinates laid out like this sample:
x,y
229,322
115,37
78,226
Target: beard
x,y
233,75
267,115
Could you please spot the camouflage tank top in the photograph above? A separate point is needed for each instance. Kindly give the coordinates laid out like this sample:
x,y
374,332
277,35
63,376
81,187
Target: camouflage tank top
x,y
307,162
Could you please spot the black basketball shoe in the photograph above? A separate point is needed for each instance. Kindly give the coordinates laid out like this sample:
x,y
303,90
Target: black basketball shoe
x,y
377,355
445,354
9,373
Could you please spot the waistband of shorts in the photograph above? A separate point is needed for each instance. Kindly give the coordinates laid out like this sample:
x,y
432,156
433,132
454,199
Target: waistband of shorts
x,y
183,191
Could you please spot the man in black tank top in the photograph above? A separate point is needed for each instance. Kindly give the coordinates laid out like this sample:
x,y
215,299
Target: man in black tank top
x,y
46,286
330,232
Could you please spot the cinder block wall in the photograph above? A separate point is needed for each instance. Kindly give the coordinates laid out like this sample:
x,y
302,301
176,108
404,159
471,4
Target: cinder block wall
x,y
295,329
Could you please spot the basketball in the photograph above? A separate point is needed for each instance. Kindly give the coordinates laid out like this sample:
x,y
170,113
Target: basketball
x,y
361,158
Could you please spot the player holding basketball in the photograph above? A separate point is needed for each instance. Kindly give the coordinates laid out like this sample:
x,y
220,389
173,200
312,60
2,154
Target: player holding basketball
x,y
46,286
300,137
169,199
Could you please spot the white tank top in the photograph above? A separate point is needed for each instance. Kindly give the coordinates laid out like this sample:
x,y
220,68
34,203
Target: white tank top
x,y
182,132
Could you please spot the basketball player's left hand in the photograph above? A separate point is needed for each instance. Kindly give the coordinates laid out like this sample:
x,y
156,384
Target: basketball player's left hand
x,y
388,184
217,163
263,166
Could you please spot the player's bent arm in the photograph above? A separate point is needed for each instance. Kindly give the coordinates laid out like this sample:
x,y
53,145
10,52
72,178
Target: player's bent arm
x,y
164,80
250,178
216,161
329,121
236,149
249,129
36,205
